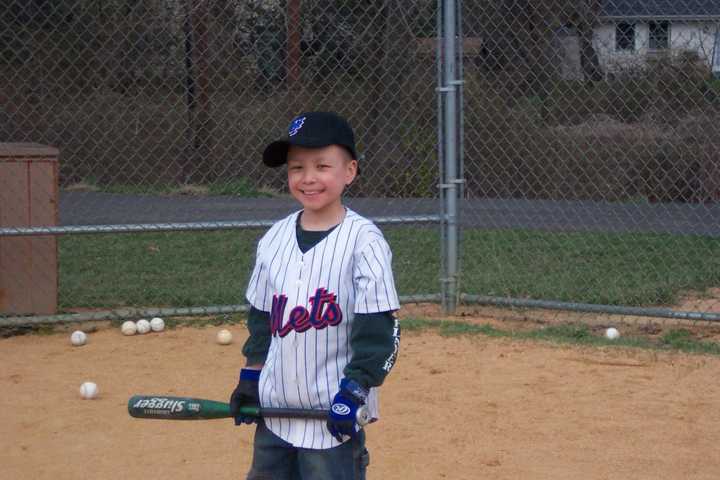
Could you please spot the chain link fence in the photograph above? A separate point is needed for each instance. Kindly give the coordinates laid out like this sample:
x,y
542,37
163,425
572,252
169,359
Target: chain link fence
x,y
592,153
589,147
161,110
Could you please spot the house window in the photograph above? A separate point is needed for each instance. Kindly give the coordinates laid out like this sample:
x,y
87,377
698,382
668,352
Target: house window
x,y
625,36
659,35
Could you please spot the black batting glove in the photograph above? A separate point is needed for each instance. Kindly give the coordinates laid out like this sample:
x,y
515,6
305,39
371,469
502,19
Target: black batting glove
x,y
245,395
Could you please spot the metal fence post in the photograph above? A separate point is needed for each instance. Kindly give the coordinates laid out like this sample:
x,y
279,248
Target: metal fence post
x,y
449,182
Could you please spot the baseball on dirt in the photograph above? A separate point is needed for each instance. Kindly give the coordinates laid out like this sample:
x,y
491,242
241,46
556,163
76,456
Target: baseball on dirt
x,y
88,390
612,333
78,338
224,337
157,324
143,326
128,328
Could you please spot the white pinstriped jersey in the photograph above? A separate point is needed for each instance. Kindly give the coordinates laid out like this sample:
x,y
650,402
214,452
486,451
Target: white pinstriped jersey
x,y
312,298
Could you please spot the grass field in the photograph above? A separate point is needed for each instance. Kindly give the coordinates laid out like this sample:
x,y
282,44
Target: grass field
x,y
677,339
210,268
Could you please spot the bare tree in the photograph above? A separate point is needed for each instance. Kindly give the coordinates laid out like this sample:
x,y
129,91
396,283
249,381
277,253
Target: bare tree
x,y
586,21
199,166
392,43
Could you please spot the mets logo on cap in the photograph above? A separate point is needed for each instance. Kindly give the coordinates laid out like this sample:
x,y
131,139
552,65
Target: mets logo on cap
x,y
295,126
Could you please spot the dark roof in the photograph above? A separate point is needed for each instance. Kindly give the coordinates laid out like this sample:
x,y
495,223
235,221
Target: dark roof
x,y
661,8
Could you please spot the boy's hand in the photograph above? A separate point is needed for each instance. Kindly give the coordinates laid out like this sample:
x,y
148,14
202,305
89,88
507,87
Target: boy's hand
x,y
343,411
246,393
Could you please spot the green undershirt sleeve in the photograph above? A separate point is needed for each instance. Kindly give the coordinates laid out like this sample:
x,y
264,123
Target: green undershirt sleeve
x,y
375,340
258,343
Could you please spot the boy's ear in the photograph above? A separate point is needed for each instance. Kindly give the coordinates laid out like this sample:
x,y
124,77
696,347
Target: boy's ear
x,y
351,171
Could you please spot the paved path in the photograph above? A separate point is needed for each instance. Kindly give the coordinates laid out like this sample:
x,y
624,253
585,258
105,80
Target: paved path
x,y
89,208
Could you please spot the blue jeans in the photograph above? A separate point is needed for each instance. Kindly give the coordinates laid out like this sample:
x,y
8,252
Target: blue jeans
x,y
276,459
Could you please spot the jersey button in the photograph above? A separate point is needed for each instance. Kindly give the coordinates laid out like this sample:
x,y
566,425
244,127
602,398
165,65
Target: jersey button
x,y
298,283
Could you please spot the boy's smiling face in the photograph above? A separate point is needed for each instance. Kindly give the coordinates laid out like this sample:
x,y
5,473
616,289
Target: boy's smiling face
x,y
317,178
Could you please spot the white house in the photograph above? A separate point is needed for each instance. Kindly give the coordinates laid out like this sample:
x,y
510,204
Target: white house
x,y
633,31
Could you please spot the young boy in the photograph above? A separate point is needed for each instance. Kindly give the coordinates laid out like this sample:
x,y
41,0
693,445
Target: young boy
x,y
322,330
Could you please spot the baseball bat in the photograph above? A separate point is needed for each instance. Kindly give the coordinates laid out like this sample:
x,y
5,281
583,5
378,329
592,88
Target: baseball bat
x,y
189,408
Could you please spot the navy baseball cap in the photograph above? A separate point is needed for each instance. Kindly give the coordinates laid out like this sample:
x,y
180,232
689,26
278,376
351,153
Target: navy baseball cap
x,y
311,130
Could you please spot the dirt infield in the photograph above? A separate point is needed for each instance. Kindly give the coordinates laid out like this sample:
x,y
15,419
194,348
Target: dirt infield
x,y
454,407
